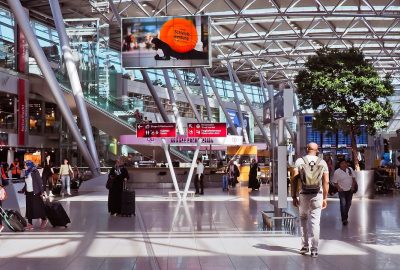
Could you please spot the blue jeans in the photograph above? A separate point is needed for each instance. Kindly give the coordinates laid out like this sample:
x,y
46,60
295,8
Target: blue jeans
x,y
345,198
66,182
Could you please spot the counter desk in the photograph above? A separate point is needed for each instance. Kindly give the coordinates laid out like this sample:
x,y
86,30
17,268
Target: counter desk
x,y
160,177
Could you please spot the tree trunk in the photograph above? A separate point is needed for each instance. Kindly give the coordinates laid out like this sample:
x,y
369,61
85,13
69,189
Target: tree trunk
x,y
354,149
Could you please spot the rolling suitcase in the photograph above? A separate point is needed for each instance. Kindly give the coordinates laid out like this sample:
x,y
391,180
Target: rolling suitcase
x,y
224,183
57,187
127,202
56,214
13,220
258,184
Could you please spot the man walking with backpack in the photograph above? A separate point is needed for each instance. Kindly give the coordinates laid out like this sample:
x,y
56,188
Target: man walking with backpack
x,y
313,173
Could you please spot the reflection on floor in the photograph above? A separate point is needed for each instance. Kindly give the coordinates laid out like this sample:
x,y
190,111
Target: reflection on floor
x,y
217,231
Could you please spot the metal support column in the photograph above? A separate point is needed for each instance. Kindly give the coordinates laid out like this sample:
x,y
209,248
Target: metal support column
x,y
115,11
74,80
272,128
48,73
292,135
237,102
258,122
228,117
189,179
262,87
186,92
171,169
204,91
173,102
154,94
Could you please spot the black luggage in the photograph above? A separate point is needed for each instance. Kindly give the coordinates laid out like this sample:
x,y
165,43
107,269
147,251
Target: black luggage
x,y
128,202
257,184
56,214
13,220
56,190
75,184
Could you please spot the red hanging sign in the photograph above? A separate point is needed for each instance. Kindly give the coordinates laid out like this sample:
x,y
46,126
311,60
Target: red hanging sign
x,y
206,130
156,130
21,112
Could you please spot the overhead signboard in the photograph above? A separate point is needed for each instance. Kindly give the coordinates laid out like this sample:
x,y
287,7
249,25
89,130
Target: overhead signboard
x,y
180,141
156,130
166,42
206,130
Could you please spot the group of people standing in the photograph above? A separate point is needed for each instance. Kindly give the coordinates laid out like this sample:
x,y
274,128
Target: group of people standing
x,y
65,175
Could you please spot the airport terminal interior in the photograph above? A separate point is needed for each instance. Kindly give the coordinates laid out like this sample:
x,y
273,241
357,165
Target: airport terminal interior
x,y
171,134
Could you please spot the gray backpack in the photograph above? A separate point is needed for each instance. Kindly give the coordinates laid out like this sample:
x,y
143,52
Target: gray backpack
x,y
311,175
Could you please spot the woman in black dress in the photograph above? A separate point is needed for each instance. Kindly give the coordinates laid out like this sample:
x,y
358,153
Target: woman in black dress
x,y
253,181
47,175
118,175
33,191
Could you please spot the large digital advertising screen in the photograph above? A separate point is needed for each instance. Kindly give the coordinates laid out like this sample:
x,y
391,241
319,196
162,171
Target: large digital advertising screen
x,y
165,42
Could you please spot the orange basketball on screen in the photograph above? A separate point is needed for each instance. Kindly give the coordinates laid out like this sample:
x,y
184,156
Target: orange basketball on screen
x,y
180,34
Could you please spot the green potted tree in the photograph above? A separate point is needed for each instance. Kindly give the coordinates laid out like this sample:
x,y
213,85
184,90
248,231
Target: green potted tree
x,y
345,92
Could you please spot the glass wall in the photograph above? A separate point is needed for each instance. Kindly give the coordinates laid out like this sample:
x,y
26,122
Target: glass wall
x,y
7,115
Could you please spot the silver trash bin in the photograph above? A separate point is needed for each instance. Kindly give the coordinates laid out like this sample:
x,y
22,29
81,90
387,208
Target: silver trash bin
x,y
366,185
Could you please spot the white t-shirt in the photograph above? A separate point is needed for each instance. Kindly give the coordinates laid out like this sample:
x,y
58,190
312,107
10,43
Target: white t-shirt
x,y
344,178
29,183
200,168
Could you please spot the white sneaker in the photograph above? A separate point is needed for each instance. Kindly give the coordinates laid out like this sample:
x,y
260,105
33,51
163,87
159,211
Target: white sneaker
x,y
51,194
69,194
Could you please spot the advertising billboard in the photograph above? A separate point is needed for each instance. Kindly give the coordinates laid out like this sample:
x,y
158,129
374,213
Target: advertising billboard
x,y
235,119
283,106
165,42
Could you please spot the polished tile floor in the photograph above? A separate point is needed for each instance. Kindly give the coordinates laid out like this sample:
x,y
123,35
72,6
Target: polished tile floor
x,y
216,231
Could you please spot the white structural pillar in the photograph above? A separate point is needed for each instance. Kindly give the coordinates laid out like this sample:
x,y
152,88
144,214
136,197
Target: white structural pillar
x,y
173,102
48,73
171,169
189,179
74,80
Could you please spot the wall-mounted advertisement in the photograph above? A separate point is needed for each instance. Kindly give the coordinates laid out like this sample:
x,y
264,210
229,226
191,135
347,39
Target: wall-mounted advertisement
x,y
166,42
283,106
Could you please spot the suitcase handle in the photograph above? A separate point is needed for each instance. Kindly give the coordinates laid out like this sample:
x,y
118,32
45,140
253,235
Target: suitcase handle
x,y
124,186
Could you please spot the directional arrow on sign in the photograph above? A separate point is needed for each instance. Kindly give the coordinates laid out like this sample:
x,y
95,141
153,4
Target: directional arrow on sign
x,y
139,126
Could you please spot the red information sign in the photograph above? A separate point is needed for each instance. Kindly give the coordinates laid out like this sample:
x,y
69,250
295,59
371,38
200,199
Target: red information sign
x,y
206,130
156,130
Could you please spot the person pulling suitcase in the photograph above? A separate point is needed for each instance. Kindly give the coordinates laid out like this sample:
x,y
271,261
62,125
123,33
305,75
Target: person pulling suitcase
x,y
33,190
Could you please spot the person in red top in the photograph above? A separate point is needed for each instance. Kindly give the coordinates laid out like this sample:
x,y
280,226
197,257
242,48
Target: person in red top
x,y
3,174
15,169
